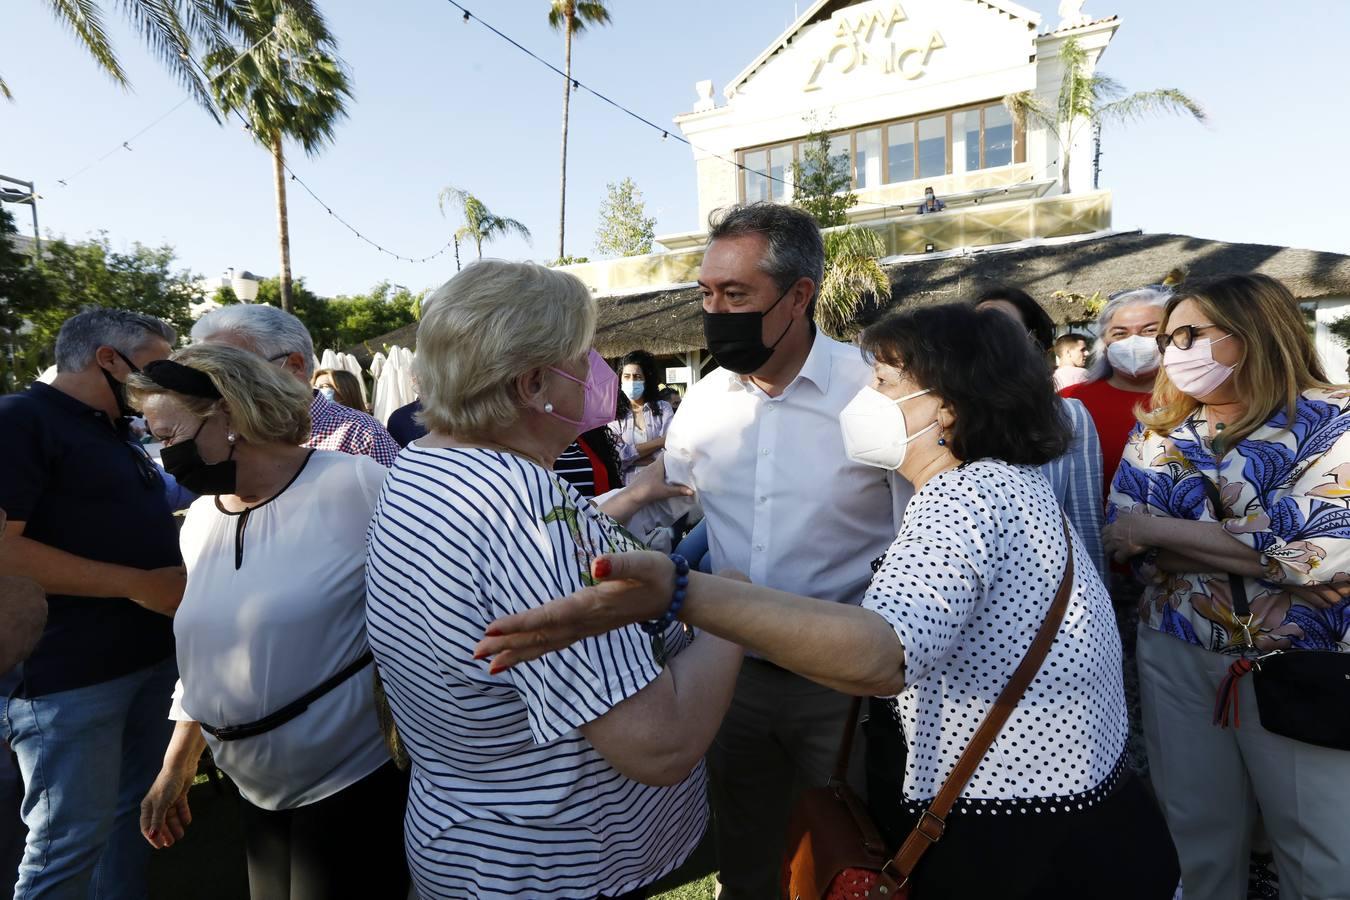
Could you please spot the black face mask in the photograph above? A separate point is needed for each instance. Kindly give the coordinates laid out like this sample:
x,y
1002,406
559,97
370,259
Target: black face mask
x,y
184,462
736,340
119,390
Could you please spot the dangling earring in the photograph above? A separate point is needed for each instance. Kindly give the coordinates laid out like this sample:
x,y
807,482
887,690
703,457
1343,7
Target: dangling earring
x,y
229,437
942,436
548,407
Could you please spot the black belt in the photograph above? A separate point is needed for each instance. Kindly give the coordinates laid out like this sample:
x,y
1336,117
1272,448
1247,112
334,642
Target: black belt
x,y
290,710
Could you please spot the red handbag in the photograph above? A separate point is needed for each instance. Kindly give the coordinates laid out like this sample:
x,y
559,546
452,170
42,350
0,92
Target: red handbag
x,y
836,852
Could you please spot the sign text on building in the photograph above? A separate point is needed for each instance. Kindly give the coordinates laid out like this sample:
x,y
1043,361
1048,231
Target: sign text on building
x,y
870,38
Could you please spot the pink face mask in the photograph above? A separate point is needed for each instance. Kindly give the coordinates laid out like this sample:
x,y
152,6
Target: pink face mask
x,y
602,390
1195,371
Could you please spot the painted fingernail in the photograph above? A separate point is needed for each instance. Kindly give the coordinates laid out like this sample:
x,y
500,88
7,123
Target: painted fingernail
x,y
493,632
603,567
480,654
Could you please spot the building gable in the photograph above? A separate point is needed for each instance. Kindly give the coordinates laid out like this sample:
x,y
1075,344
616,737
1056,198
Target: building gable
x,y
839,51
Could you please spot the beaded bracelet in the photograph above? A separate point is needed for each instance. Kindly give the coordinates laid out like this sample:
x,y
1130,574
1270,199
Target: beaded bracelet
x,y
658,626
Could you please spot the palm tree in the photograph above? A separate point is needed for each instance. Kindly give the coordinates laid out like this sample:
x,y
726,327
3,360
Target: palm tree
x,y
480,223
852,272
171,28
1092,100
570,17
294,86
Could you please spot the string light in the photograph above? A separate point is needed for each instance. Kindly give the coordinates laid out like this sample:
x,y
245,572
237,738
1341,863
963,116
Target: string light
x,y
577,84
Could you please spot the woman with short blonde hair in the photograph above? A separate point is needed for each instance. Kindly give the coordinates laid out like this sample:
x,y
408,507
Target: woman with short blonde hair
x,y
486,326
580,775
272,653
1231,501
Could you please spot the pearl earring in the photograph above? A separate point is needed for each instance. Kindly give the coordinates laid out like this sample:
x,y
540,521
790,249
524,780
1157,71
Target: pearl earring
x,y
548,407
230,437
942,436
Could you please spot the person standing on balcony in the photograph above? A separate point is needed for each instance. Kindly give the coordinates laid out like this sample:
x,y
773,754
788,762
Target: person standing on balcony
x,y
930,204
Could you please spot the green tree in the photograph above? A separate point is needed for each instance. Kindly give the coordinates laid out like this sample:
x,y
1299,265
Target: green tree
x,y
480,223
625,229
24,292
36,301
343,321
853,273
170,28
1091,100
294,86
570,17
823,183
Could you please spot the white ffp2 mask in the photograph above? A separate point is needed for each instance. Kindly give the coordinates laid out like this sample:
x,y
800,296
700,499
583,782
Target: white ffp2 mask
x,y
874,429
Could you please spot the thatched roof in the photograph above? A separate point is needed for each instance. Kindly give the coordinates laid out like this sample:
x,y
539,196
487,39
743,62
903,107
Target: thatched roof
x,y
669,321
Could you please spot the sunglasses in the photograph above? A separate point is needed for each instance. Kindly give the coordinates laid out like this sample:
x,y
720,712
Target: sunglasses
x,y
1182,338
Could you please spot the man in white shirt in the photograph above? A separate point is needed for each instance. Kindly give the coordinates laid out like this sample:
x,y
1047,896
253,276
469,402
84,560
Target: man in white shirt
x,y
759,441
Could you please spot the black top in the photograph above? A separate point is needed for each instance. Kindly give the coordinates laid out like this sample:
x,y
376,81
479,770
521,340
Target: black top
x,y
401,425
69,474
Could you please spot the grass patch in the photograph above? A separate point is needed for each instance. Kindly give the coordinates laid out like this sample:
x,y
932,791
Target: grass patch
x,y
703,889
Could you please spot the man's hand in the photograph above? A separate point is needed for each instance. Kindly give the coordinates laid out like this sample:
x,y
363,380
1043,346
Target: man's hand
x,y
635,587
159,590
165,814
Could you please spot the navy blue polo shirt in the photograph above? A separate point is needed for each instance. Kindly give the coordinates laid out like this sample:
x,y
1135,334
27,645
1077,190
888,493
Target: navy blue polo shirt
x,y
68,473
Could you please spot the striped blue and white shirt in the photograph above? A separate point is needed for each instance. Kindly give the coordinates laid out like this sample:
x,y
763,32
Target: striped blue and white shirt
x,y
1074,477
508,799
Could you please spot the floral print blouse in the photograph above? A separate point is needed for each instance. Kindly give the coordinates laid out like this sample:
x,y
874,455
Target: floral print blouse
x,y
1285,492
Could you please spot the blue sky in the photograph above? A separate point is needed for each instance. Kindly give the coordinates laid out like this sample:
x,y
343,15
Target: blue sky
x,y
439,102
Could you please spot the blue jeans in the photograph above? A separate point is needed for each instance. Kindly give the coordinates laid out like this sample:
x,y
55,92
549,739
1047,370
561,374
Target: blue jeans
x,y
87,757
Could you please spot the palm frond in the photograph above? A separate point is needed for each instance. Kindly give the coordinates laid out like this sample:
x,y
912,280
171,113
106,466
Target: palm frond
x,y
1024,108
451,195
1143,103
84,18
590,14
4,90
162,29
511,226
852,274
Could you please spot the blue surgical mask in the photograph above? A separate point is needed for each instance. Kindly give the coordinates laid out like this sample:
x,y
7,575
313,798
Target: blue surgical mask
x,y
633,389
328,393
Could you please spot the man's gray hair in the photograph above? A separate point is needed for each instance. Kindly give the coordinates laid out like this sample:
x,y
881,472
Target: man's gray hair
x,y
268,331
1152,295
82,334
796,248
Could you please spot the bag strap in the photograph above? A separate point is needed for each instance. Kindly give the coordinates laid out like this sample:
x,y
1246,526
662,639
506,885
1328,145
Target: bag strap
x,y
932,822
1236,585
846,742
290,710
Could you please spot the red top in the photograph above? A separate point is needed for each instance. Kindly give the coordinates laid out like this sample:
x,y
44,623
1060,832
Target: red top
x,y
1112,411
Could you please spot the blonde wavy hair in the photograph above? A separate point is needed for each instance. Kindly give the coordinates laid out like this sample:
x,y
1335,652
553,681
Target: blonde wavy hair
x,y
1278,362
266,403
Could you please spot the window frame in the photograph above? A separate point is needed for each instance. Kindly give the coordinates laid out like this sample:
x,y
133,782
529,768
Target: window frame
x,y
884,126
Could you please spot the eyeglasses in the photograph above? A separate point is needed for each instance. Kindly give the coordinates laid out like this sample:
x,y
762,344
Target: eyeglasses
x,y
1182,338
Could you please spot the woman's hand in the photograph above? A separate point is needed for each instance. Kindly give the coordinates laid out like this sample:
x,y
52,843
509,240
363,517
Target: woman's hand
x,y
1125,538
634,587
165,815
650,484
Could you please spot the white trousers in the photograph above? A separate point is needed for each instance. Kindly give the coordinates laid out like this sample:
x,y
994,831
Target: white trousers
x,y
1212,782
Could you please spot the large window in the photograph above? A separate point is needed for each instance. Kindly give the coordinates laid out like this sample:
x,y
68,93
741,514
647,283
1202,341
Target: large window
x,y
962,140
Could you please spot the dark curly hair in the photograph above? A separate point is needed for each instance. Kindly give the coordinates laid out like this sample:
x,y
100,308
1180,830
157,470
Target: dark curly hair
x,y
1037,321
647,363
981,364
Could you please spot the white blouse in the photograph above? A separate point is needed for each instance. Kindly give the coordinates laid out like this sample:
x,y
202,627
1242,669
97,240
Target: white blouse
x,y
255,635
966,585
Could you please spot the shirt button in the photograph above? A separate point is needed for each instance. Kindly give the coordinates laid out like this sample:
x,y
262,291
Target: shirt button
x,y
764,452
763,499
759,547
